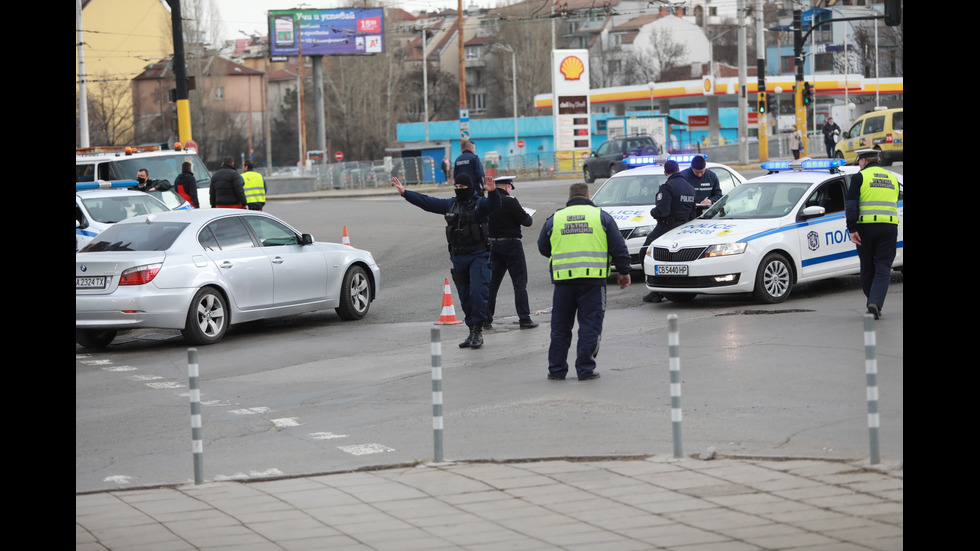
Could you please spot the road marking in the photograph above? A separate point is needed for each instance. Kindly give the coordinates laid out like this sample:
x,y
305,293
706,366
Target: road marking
x,y
286,422
326,435
365,449
251,411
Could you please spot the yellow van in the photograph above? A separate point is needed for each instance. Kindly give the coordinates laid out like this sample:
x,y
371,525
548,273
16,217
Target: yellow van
x,y
880,129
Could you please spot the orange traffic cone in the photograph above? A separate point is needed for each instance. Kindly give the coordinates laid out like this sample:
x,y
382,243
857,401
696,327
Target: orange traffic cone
x,y
448,316
345,240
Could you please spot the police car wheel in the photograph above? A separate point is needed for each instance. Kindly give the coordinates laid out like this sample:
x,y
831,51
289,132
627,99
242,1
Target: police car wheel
x,y
355,294
774,279
94,338
207,317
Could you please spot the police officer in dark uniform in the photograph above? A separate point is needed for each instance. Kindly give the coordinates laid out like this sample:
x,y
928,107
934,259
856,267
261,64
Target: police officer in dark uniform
x,y
675,206
467,216
469,163
507,252
707,188
580,239
871,211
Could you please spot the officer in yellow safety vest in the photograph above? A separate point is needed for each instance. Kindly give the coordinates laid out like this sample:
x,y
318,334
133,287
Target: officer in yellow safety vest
x,y
580,239
872,220
254,187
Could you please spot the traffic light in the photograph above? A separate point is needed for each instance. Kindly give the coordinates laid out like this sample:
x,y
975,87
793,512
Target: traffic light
x,y
771,104
762,103
893,12
807,93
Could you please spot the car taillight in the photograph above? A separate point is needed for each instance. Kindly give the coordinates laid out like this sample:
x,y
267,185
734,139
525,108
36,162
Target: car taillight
x,y
139,275
888,138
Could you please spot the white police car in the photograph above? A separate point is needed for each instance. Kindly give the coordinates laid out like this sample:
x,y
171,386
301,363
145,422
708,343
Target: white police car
x,y
630,195
768,234
105,163
99,205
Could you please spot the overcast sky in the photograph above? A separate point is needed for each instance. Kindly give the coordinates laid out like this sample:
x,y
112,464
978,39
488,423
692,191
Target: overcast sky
x,y
249,15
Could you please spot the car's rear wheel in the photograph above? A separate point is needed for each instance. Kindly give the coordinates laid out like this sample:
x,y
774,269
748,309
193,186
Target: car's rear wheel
x,y
613,169
94,338
207,317
355,294
774,280
587,174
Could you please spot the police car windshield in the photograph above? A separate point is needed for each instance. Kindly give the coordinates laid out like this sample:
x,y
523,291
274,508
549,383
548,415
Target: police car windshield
x,y
165,167
625,191
759,200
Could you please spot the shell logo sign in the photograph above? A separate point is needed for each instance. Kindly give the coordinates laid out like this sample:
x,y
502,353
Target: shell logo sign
x,y
572,68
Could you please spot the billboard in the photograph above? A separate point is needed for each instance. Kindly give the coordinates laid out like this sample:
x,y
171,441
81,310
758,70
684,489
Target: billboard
x,y
350,31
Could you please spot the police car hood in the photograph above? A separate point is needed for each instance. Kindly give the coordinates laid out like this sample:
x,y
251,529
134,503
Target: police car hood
x,y
631,216
709,231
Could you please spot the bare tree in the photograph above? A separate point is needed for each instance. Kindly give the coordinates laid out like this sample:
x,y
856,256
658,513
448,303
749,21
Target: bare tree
x,y
110,112
650,62
524,29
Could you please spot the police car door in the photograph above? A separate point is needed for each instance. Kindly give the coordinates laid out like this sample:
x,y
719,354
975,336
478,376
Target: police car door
x,y
825,244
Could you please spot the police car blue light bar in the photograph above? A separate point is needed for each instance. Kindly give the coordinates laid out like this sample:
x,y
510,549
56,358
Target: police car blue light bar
x,y
685,158
775,165
102,184
644,160
822,164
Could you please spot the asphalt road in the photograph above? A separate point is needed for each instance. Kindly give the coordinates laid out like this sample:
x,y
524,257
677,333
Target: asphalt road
x,y
312,394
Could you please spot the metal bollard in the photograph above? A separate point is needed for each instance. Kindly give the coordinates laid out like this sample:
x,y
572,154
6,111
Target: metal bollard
x,y
197,445
437,394
673,342
871,376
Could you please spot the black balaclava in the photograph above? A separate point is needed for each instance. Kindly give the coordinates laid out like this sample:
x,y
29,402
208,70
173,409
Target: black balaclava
x,y
463,195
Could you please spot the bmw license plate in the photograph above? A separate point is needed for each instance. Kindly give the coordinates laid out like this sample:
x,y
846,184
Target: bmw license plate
x,y
90,282
664,270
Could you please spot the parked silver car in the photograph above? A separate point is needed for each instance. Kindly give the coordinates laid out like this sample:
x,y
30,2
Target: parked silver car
x,y
202,270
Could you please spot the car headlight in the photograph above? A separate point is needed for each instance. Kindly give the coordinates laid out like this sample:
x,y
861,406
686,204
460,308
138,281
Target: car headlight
x,y
724,249
641,231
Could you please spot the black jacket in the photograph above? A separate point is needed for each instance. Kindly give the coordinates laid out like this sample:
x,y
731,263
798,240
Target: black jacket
x,y
227,187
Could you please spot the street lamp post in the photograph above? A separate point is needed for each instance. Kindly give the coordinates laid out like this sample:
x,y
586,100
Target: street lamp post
x,y
513,57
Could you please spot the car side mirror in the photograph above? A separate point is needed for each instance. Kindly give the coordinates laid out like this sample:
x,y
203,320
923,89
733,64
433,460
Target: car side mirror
x,y
306,239
812,212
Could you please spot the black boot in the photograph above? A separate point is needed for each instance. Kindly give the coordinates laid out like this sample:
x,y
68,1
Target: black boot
x,y
469,340
476,337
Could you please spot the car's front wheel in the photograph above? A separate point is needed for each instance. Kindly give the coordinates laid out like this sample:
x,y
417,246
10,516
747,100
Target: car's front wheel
x,y
207,317
355,294
94,338
587,174
774,280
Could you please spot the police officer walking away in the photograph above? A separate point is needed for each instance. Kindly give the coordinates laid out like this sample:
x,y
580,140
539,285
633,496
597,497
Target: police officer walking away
x,y
469,163
580,239
675,206
254,187
467,216
871,210
507,252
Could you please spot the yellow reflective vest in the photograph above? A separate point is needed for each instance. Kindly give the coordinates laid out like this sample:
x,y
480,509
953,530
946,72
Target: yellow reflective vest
x,y
578,244
878,203
254,187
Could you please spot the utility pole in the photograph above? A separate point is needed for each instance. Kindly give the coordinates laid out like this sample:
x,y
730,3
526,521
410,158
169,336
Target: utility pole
x,y
743,123
798,89
180,75
464,121
763,113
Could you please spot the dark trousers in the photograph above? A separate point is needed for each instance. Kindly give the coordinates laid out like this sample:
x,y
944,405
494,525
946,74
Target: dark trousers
x,y
587,303
507,255
471,273
876,253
